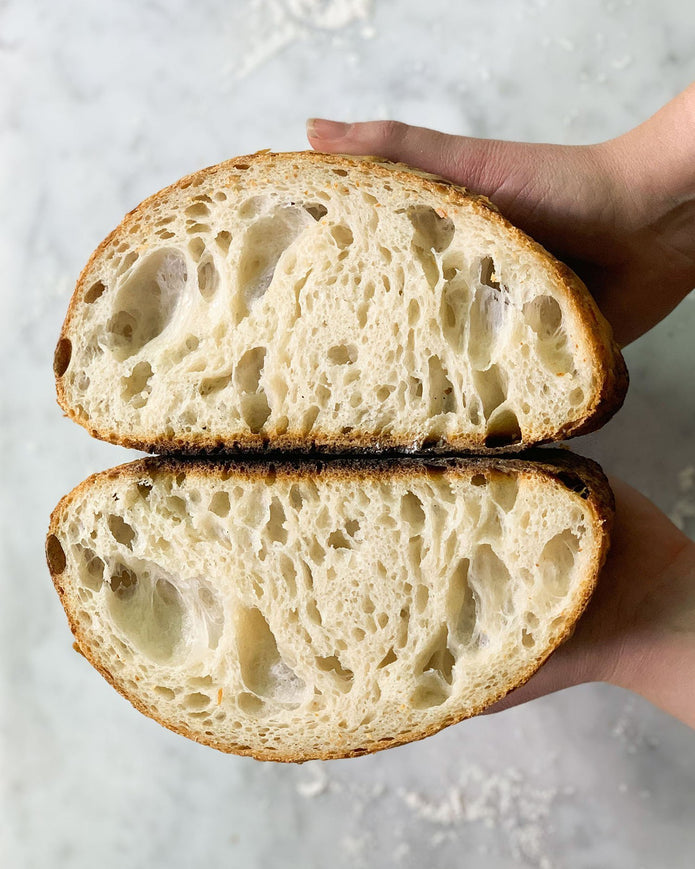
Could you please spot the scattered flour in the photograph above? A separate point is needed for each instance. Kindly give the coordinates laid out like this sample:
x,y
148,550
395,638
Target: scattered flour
x,y
629,731
505,803
683,511
271,25
315,785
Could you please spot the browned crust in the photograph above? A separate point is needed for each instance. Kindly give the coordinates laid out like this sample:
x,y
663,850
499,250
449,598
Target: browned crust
x,y
608,363
577,474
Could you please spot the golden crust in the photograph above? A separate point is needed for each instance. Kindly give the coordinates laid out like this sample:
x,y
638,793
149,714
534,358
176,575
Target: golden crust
x,y
579,475
608,365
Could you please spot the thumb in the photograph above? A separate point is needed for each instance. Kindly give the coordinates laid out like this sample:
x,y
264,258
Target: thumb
x,y
532,184
478,163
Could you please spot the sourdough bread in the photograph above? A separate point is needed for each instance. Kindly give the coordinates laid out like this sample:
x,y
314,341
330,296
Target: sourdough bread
x,y
297,610
311,301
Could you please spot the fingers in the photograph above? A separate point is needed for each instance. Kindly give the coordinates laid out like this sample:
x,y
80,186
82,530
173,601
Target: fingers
x,y
547,190
481,164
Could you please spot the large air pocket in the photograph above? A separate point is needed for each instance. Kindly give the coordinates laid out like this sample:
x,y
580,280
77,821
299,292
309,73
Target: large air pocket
x,y
145,304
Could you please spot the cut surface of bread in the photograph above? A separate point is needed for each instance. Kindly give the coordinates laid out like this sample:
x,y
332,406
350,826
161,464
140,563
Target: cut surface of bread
x,y
310,301
291,611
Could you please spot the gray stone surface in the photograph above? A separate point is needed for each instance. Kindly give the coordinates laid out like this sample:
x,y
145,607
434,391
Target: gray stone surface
x,y
103,103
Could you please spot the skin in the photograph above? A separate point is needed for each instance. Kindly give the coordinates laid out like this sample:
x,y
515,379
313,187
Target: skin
x,y
622,214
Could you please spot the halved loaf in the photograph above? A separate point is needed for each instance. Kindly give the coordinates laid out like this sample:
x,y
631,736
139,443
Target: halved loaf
x,y
293,611
305,300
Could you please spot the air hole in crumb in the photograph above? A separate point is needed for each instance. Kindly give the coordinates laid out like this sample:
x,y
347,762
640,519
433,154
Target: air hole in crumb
x,y
338,540
123,581
422,595
265,242
223,240
489,578
576,396
414,388
219,504
62,356
544,316
488,276
91,568
429,694
263,670
412,512
492,388
55,555
488,319
250,704
196,247
95,292
503,429
276,522
146,302
389,658
504,490
249,368
341,354
352,526
527,639
136,388
478,480
316,210
197,210
557,562
208,278
431,230
164,692
255,410
288,572
342,235
144,488
453,311
531,620
438,659
462,604
343,675
121,531
296,498
210,385
309,419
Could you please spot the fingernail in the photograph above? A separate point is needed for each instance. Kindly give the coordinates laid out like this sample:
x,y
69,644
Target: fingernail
x,y
320,128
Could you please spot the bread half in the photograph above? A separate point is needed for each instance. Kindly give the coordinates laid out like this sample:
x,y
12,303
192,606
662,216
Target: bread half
x,y
310,301
291,611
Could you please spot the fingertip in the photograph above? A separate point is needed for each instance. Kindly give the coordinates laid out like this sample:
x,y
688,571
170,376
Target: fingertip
x,y
326,131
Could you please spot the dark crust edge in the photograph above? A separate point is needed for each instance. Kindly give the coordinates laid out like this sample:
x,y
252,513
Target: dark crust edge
x,y
608,363
573,473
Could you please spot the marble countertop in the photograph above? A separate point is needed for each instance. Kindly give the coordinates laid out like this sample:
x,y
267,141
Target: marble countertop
x,y
103,103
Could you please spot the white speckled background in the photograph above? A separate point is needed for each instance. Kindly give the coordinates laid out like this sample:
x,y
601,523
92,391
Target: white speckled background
x,y
100,105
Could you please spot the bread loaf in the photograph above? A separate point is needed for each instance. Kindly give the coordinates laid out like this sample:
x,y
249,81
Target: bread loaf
x,y
303,610
310,301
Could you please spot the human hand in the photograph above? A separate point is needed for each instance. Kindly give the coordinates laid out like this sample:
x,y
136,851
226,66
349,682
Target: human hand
x,y
638,630
622,214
